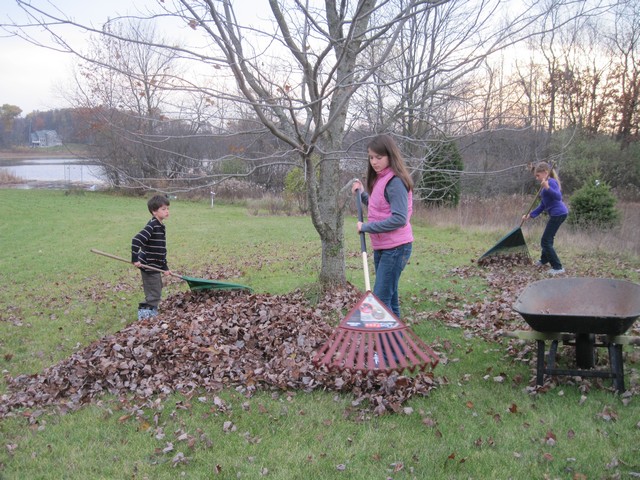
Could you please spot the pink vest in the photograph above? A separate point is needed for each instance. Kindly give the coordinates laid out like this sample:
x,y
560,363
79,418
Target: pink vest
x,y
379,209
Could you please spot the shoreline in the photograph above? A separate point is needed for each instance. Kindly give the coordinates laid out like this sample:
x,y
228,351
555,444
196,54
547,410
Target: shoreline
x,y
28,153
54,185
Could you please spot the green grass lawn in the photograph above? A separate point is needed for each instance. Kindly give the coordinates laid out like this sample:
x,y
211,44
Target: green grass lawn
x,y
57,297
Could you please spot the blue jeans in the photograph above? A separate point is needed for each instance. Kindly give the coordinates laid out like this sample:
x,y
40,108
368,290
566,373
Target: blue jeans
x,y
549,254
389,264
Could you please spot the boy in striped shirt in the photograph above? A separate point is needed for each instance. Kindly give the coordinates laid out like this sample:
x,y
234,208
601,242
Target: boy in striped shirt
x,y
149,247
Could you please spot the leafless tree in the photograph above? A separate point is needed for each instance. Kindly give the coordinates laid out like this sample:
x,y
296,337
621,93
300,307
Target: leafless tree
x,y
625,48
298,68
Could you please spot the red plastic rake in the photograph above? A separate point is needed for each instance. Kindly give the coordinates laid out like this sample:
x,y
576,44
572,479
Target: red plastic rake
x,y
372,338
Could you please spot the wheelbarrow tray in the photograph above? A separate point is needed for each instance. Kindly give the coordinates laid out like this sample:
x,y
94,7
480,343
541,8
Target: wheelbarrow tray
x,y
580,305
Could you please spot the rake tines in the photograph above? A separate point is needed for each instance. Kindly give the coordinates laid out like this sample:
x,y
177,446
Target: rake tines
x,y
371,338
357,350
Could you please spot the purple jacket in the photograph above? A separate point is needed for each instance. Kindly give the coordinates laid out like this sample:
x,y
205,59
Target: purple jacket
x,y
551,201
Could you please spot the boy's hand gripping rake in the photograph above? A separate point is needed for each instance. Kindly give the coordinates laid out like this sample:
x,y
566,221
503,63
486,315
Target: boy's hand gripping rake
x,y
371,337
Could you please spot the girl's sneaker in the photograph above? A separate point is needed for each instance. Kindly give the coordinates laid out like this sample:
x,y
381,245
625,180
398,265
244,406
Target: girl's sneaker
x,y
538,264
557,271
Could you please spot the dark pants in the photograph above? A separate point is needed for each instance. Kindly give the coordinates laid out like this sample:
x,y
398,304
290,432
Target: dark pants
x,y
152,285
549,254
389,265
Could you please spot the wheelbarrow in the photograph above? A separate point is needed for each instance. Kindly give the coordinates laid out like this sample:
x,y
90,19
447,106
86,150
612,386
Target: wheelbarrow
x,y
580,311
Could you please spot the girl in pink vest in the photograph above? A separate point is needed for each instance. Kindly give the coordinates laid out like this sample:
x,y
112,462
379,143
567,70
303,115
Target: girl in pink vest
x,y
389,199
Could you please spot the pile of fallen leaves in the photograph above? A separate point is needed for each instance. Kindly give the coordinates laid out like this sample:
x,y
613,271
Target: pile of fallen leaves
x,y
505,259
211,340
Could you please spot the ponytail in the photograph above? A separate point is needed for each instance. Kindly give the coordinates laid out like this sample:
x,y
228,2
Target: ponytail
x,y
545,167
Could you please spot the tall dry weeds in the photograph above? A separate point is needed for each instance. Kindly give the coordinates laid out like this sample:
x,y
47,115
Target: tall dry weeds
x,y
8,178
505,213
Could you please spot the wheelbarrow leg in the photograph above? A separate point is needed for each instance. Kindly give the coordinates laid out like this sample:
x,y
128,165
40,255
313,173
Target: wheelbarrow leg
x,y
551,360
540,363
551,363
617,367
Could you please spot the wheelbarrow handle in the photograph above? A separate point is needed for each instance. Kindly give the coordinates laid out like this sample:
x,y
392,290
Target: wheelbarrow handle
x,y
146,267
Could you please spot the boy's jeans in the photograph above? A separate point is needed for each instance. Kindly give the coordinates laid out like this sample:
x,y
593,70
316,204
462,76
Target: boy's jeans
x,y
389,264
152,285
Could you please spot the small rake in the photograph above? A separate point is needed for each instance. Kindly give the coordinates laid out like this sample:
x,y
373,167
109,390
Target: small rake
x,y
372,338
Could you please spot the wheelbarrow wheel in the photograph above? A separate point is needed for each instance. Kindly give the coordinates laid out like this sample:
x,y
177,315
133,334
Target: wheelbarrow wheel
x,y
585,350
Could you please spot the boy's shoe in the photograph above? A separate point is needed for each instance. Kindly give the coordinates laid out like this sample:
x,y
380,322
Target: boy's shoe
x,y
147,312
555,271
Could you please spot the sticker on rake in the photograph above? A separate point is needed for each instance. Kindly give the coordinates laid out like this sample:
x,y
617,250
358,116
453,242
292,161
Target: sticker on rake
x,y
371,314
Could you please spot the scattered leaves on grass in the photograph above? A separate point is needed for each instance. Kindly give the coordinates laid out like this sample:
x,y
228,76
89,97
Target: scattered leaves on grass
x,y
608,414
217,339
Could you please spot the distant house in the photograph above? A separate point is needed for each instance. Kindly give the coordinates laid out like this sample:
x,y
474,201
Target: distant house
x,y
45,138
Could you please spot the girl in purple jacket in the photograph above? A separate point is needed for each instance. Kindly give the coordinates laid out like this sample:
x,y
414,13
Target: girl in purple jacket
x,y
389,199
550,202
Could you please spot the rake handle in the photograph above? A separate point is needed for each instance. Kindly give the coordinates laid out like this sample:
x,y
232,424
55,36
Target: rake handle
x,y
146,267
363,244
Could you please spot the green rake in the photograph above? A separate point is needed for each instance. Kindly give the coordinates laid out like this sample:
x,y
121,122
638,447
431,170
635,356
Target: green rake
x,y
512,245
194,283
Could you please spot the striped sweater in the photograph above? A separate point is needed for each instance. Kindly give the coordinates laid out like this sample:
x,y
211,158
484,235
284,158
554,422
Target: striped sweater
x,y
149,246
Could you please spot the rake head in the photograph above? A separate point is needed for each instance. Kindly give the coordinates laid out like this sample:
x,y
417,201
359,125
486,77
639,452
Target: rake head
x,y
371,338
357,350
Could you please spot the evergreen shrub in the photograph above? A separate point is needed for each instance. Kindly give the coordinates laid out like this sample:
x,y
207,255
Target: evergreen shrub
x,y
440,181
593,206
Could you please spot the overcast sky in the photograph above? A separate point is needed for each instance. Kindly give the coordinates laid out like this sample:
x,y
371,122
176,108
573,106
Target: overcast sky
x,y
31,76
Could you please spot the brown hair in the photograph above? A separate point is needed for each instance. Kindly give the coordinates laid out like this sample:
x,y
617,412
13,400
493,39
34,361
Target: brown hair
x,y
545,167
386,145
156,202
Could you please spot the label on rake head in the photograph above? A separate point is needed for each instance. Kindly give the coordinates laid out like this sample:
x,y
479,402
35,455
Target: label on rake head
x,y
371,314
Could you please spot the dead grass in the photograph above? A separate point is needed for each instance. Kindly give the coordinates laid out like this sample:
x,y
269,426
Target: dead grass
x,y
8,178
500,215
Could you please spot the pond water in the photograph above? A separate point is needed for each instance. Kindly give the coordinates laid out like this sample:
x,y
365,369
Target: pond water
x,y
55,170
